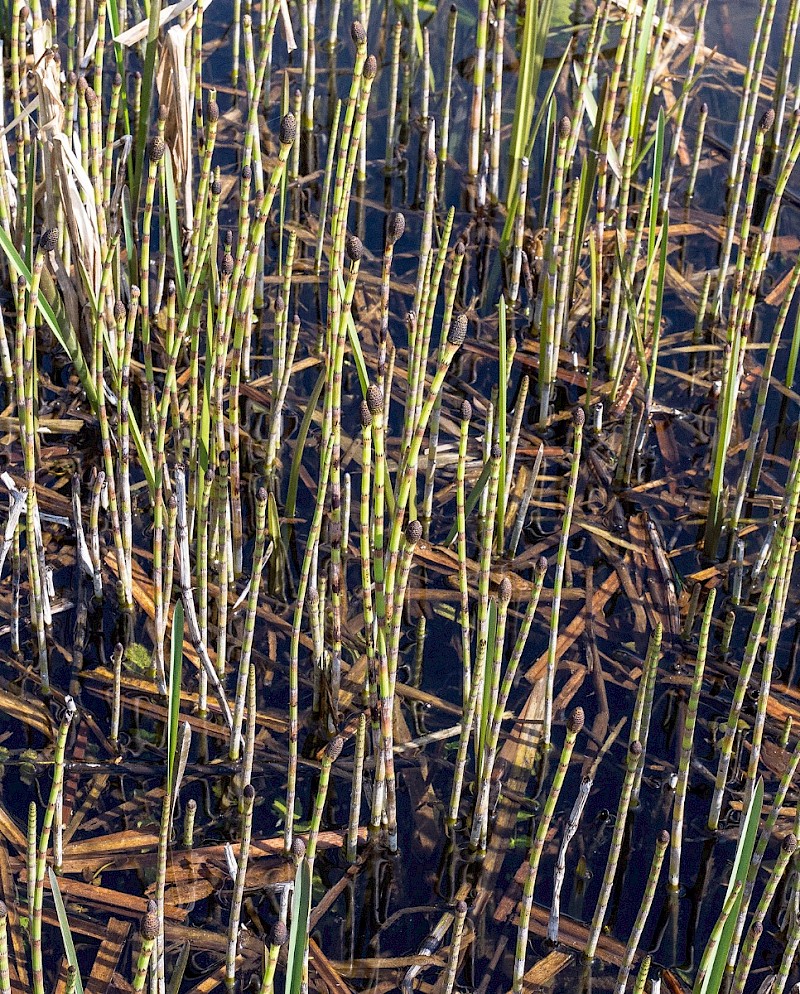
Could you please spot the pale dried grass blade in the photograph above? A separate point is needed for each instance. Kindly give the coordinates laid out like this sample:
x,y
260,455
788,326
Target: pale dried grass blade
x,y
80,213
177,95
138,32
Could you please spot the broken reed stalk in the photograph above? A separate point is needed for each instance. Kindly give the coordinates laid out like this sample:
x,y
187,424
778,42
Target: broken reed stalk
x,y
116,703
561,860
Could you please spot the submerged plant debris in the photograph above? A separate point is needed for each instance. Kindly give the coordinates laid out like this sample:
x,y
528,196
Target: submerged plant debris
x,y
400,444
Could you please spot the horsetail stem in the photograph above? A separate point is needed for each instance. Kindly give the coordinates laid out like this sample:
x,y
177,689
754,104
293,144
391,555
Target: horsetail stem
x,y
148,931
579,418
355,797
252,722
248,799
698,152
250,620
455,947
5,978
461,520
447,91
634,753
493,722
644,909
188,823
294,649
574,725
748,950
484,576
278,938
789,953
782,538
687,743
329,757
31,857
44,841
478,85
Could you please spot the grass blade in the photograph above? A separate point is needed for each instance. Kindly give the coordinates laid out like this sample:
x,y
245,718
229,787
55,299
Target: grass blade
x,y
298,934
66,934
709,980
65,337
174,230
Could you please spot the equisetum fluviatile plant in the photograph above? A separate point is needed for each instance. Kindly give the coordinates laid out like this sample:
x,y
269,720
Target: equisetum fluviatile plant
x,y
325,426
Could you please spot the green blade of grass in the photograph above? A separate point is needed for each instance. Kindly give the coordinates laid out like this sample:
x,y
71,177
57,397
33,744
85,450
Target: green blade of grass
x,y
655,189
69,343
640,68
486,704
66,933
174,231
709,981
472,500
204,436
65,337
633,314
302,436
148,79
523,134
586,189
355,345
298,933
659,304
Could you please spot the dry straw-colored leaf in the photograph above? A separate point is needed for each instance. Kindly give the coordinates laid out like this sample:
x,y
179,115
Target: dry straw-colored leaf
x,y
175,93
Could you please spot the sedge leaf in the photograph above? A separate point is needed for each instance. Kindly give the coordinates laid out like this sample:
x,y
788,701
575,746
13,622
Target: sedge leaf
x,y
66,933
298,933
709,981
